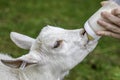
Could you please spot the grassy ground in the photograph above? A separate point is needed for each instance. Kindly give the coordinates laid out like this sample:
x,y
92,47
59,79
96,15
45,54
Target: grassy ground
x,y
29,16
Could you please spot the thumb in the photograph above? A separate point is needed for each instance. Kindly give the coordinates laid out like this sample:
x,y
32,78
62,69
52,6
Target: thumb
x,y
104,3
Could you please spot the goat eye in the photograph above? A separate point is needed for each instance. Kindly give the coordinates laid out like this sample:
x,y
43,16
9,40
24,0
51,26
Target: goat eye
x,y
58,43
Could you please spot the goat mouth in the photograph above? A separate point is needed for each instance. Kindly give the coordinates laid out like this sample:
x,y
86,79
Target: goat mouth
x,y
84,37
84,32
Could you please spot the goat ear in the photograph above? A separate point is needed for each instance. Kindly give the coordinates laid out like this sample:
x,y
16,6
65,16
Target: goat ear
x,y
17,63
21,41
21,62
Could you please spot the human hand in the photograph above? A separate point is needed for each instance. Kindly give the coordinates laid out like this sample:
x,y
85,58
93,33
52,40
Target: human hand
x,y
111,22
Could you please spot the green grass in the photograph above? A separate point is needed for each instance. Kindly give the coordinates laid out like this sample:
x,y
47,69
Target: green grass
x,y
30,16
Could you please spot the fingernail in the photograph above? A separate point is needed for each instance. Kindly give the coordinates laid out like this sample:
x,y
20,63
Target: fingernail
x,y
99,21
99,33
102,13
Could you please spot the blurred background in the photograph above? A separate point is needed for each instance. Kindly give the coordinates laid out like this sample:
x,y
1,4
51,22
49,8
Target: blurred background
x,y
30,16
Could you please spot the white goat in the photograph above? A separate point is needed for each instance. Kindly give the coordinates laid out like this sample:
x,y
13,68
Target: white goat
x,y
52,54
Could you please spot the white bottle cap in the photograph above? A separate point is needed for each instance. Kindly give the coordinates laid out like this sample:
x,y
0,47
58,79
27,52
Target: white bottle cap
x,y
90,31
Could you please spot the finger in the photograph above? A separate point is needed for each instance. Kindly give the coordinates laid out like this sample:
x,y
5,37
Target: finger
x,y
109,26
108,33
104,3
116,12
113,12
111,18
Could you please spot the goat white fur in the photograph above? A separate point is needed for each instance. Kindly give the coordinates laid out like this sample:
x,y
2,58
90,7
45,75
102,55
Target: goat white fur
x,y
52,54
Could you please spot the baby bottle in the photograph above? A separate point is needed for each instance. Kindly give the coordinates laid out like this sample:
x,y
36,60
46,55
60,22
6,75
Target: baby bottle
x,y
91,25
